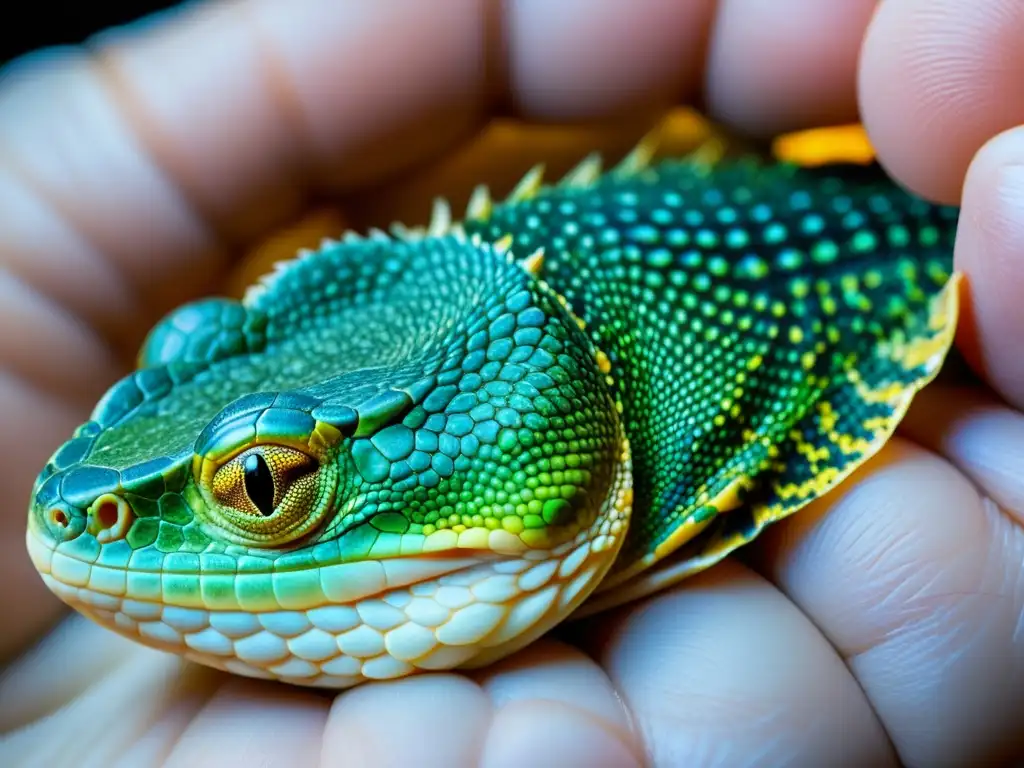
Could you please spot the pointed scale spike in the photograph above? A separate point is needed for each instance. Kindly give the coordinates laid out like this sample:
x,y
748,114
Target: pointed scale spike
x,y
403,232
502,245
480,204
534,263
528,186
639,158
440,218
708,153
585,173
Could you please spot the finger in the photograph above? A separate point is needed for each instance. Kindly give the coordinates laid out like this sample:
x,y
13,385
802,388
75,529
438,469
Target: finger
x,y
919,584
443,718
583,60
550,734
249,722
109,718
990,251
302,94
33,422
548,694
553,695
938,78
726,668
779,66
981,436
31,688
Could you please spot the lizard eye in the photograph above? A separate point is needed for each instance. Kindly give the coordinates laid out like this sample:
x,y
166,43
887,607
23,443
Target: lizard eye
x,y
265,480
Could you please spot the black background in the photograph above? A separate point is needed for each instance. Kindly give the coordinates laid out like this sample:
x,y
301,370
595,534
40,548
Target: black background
x,y
28,25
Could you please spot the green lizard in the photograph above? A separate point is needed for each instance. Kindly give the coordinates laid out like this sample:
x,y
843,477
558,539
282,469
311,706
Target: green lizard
x,y
422,450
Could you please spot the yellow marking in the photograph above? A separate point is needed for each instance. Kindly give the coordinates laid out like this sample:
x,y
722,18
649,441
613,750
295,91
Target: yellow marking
x,y
604,365
819,146
829,419
534,263
503,244
323,437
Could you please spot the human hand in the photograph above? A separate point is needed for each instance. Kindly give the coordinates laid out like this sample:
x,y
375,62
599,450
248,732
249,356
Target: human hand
x,y
881,624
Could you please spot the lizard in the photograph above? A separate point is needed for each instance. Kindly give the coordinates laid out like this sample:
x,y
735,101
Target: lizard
x,y
422,449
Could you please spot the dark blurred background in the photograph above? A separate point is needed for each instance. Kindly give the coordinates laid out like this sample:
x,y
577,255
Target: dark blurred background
x,y
34,24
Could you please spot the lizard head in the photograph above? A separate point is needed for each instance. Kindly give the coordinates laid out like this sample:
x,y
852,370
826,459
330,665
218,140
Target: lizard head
x,y
390,456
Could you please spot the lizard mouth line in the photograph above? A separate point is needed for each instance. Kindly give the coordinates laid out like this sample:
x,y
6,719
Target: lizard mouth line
x,y
297,588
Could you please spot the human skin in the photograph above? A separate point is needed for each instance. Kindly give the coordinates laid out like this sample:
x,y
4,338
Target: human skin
x,y
882,624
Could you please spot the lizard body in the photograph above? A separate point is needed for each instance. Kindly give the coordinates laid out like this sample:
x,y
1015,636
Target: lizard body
x,y
422,450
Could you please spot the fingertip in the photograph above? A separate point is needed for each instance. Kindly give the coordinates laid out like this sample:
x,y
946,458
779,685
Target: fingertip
x,y
429,720
590,60
937,78
780,66
990,251
725,667
554,671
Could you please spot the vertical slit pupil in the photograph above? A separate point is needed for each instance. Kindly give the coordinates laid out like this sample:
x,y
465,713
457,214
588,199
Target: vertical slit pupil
x,y
259,484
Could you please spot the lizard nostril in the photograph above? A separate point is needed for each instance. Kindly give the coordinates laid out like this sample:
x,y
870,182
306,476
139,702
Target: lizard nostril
x,y
58,518
110,518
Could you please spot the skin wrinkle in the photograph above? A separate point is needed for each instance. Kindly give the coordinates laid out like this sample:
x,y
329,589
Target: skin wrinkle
x,y
143,129
982,437
33,266
582,683
30,321
260,714
361,725
282,92
67,93
146,106
681,700
935,628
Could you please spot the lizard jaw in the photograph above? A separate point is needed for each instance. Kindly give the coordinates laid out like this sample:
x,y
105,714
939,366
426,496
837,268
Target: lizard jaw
x,y
366,620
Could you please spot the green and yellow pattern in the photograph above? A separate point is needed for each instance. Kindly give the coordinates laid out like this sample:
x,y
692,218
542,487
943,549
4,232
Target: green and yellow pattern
x,y
421,450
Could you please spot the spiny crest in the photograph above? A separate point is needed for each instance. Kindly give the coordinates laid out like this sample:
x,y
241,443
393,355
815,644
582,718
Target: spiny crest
x,y
481,205
640,157
585,174
267,280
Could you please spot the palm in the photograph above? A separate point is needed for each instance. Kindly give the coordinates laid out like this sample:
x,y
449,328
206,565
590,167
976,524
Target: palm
x,y
881,624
